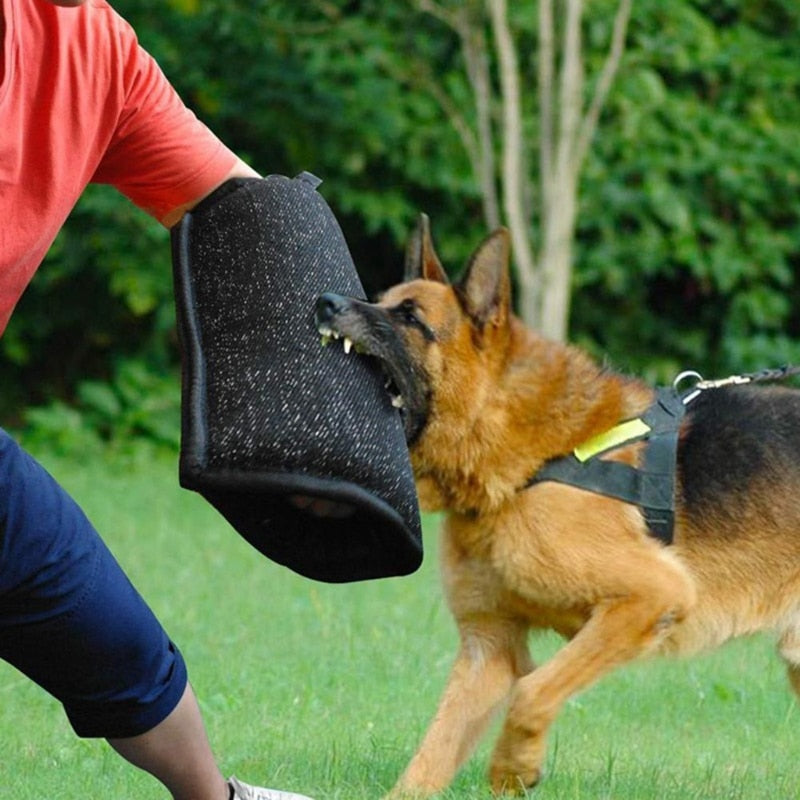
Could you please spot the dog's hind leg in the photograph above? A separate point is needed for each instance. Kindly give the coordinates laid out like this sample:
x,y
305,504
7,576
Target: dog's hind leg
x,y
630,622
492,656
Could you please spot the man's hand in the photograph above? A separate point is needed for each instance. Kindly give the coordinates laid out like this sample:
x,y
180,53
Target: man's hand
x,y
320,507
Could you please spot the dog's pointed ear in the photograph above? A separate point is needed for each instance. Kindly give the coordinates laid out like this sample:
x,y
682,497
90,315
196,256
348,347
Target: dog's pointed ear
x,y
485,288
421,258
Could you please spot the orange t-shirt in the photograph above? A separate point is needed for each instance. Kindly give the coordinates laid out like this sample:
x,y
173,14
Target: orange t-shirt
x,y
81,102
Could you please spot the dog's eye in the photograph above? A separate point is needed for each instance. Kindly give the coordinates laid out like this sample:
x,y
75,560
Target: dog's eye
x,y
408,310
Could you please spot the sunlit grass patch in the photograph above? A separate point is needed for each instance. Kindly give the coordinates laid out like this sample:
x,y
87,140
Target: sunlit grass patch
x,y
327,689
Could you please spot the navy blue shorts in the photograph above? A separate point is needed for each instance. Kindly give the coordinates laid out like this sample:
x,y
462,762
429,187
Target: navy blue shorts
x,y
69,617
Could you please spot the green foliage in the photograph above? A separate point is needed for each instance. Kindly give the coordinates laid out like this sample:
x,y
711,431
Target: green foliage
x,y
135,404
103,294
335,89
691,207
688,241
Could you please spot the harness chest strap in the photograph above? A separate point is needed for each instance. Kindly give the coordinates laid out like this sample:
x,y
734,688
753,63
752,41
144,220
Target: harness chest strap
x,y
650,486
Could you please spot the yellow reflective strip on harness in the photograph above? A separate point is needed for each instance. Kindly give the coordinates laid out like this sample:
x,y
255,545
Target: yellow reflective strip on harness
x,y
617,435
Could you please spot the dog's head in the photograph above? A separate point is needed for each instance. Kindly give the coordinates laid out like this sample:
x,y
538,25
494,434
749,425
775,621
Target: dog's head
x,y
434,339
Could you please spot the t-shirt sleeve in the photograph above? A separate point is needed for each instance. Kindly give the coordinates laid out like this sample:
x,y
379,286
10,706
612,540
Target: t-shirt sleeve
x,y
160,156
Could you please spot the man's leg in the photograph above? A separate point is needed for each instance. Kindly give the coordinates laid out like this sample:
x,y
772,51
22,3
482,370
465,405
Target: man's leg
x,y
177,752
71,621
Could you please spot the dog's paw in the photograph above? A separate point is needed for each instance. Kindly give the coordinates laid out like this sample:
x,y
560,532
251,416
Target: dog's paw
x,y
516,764
513,782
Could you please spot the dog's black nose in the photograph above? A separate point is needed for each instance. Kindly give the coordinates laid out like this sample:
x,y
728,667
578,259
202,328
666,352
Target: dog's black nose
x,y
329,305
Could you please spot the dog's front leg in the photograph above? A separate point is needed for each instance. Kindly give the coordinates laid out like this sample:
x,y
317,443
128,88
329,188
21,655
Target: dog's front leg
x,y
619,630
492,656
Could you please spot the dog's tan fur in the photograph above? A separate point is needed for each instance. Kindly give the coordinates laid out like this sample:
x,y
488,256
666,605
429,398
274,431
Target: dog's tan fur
x,y
502,402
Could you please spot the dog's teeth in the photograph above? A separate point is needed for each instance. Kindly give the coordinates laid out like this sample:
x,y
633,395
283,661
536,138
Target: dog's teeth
x,y
326,337
397,402
348,344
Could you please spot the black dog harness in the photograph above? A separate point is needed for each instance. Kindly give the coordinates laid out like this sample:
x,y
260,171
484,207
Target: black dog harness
x,y
650,486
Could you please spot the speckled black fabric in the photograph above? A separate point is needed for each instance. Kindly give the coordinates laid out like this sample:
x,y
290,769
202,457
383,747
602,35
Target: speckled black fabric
x,y
267,411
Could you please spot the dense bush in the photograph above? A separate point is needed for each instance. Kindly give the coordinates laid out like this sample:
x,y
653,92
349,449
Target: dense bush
x,y
689,229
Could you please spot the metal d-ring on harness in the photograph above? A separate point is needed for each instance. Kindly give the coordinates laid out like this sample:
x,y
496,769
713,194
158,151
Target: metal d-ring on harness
x,y
651,486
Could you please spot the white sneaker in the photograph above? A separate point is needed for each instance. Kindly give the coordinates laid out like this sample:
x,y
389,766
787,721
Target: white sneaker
x,y
243,791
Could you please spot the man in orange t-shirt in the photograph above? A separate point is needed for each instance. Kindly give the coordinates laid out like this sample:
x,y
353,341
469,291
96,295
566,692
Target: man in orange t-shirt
x,y
81,102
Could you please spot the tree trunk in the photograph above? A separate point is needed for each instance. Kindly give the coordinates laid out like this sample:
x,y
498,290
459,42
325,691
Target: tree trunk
x,y
555,258
565,134
474,47
558,215
513,173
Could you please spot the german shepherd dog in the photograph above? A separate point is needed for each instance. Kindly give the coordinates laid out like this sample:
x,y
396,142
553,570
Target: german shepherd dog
x,y
486,402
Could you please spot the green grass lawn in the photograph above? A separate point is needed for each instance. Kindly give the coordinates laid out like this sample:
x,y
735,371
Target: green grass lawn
x,y
327,689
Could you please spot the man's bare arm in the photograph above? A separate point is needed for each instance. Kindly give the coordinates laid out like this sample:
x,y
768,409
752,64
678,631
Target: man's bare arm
x,y
239,170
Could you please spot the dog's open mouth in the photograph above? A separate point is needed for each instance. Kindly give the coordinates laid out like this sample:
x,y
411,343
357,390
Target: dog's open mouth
x,y
351,346
367,329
